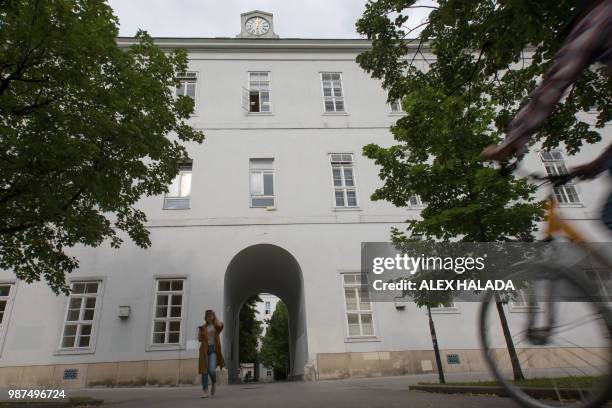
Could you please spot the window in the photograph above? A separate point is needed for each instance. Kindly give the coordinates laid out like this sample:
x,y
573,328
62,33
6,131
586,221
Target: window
x,y
415,201
259,92
268,373
603,280
555,166
417,236
179,191
262,182
345,191
168,313
444,306
524,300
5,297
80,314
358,306
187,85
396,106
5,293
333,98
267,307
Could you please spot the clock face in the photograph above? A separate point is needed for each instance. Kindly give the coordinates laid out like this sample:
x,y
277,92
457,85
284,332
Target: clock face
x,y
257,26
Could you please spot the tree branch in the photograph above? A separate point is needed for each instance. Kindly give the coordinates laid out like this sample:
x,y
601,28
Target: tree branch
x,y
24,110
414,28
418,50
17,228
23,227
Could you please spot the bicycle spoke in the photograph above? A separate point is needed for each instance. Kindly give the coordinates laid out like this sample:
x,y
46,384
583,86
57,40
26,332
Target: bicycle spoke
x,y
563,351
586,350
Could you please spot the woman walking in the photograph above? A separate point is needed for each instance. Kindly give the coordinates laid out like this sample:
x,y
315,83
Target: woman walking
x,y
210,351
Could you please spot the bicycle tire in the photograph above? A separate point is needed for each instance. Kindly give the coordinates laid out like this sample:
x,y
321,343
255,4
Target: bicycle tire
x,y
516,392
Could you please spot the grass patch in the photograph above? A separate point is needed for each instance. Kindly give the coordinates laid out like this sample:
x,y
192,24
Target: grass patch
x,y
581,382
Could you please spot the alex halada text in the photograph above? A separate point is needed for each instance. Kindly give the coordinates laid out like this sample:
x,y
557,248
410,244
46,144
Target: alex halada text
x,y
443,285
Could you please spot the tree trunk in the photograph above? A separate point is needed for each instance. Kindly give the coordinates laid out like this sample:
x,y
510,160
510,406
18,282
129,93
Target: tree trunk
x,y
514,360
434,340
256,367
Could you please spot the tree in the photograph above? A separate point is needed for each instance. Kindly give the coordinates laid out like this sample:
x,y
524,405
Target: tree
x,y
482,59
429,300
86,129
250,330
434,341
275,345
426,298
474,85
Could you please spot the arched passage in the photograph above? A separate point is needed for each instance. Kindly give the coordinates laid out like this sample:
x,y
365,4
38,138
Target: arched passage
x,y
265,268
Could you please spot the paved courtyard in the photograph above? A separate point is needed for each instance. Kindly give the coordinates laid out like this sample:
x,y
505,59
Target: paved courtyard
x,y
388,392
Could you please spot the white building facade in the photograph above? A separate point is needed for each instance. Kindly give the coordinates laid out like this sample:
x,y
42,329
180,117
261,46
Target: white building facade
x,y
265,309
275,200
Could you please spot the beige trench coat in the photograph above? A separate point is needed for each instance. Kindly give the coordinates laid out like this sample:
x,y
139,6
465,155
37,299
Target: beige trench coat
x,y
203,338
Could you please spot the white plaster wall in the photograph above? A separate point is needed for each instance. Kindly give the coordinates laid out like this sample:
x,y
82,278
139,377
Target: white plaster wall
x,y
261,309
199,243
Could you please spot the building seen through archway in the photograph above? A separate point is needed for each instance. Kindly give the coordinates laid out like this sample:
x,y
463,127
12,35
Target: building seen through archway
x,y
265,268
266,314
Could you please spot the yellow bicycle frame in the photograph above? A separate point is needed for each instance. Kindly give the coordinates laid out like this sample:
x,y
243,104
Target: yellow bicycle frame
x,y
556,224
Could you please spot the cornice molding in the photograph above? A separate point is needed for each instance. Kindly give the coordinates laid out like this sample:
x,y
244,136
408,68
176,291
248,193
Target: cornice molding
x,y
226,44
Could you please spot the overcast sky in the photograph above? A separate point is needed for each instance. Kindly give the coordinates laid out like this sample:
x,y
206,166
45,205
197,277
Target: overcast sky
x,y
221,18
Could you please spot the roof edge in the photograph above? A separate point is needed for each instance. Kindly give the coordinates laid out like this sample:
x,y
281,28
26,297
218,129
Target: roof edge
x,y
256,12
267,44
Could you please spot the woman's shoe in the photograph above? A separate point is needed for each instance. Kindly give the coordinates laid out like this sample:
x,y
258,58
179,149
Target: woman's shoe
x,y
212,389
204,394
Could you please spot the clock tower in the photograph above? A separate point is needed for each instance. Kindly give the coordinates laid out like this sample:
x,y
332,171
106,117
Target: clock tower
x,y
257,24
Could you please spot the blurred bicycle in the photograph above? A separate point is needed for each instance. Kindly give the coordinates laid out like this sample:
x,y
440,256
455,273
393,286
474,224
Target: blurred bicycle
x,y
563,344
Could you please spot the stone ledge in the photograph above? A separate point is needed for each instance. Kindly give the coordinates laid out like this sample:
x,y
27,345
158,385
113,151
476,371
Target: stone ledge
x,y
172,372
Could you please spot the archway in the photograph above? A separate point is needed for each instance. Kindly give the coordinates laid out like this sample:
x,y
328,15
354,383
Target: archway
x,y
265,268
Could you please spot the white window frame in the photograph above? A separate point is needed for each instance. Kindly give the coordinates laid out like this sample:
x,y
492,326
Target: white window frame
x,y
269,73
267,307
344,188
6,316
418,201
603,280
400,110
358,311
523,306
169,198
556,166
449,308
183,318
95,323
185,77
333,97
271,170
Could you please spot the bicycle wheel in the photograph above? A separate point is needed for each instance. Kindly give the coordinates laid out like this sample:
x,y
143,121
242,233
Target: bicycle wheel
x,y
569,365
